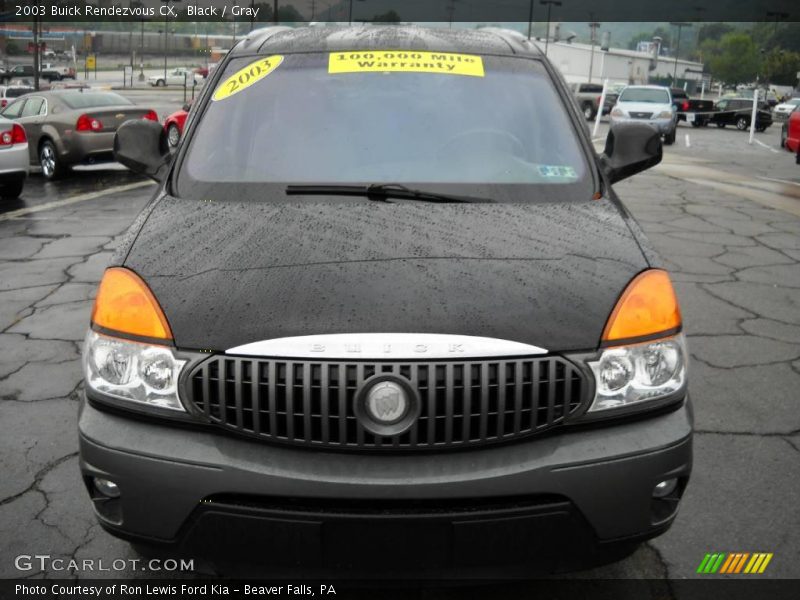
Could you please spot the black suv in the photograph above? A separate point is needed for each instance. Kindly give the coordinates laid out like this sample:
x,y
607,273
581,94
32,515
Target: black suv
x,y
385,314
739,112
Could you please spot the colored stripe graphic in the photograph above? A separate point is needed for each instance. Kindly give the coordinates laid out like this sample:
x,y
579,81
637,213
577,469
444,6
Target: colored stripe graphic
x,y
734,563
711,562
731,559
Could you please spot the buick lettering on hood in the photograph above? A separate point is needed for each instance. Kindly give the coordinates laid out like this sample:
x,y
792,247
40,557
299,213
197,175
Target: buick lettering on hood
x,y
386,315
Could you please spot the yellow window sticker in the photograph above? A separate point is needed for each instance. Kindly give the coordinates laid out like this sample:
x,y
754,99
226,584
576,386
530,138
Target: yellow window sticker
x,y
244,78
405,61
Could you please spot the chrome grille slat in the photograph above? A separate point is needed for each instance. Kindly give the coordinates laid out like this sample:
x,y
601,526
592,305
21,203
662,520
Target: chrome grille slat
x,y
463,403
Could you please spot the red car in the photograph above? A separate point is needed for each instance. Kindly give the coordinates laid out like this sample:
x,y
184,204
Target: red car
x,y
173,125
790,133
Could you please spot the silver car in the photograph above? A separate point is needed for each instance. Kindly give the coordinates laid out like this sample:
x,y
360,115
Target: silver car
x,y
650,104
13,159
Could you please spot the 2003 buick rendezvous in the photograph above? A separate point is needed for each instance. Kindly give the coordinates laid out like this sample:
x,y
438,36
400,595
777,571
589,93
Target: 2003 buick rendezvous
x,y
386,313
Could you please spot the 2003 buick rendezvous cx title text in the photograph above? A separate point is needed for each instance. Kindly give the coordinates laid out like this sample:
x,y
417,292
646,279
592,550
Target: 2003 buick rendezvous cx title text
x,y
385,313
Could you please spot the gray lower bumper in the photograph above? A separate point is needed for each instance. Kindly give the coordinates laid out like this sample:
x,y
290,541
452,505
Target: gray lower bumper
x,y
663,126
166,473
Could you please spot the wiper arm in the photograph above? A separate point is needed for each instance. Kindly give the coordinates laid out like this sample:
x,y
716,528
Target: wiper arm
x,y
379,192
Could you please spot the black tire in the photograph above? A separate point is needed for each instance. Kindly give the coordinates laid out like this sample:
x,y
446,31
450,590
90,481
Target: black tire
x,y
589,112
697,124
161,83
721,125
761,128
51,165
12,189
742,123
783,137
173,135
669,138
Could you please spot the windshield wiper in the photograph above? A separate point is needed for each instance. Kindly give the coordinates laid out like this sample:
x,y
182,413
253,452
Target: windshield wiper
x,y
379,192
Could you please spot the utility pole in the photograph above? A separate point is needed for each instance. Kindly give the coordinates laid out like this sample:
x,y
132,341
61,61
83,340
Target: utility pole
x,y
36,62
593,27
530,18
141,54
679,25
275,11
549,4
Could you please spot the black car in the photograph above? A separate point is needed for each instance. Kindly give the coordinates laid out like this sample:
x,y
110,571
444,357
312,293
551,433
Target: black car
x,y
739,112
26,71
385,313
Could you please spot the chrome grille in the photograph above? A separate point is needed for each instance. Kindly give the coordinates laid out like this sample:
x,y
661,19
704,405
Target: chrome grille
x,y
464,403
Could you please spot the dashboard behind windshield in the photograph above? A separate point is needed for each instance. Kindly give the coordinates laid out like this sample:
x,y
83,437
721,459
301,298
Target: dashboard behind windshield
x,y
306,122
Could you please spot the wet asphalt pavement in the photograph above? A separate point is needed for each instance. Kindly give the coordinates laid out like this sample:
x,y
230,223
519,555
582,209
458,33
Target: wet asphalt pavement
x,y
724,214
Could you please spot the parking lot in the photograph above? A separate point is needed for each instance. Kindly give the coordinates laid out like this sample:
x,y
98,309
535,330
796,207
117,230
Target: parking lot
x,y
724,214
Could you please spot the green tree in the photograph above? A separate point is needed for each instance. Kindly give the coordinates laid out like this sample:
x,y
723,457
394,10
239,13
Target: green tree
x,y
733,59
781,67
712,31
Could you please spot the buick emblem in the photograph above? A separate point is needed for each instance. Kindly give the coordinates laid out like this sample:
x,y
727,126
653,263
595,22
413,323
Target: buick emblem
x,y
386,402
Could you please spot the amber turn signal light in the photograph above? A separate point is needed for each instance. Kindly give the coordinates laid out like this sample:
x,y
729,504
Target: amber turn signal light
x,y
126,305
647,307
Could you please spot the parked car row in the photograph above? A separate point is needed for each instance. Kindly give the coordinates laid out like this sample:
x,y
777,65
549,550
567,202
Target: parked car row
x,y
56,130
47,72
663,107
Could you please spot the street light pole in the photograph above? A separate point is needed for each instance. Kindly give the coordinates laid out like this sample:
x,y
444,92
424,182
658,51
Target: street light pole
x,y
593,26
679,25
549,4
141,54
166,35
530,18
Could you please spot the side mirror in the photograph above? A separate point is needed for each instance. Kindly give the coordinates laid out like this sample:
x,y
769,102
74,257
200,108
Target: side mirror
x,y
630,148
186,107
142,146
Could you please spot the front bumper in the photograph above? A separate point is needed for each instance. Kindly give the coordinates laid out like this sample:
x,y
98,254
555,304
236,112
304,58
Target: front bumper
x,y
663,126
555,502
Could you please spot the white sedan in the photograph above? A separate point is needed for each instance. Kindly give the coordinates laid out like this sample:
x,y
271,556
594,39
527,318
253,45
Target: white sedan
x,y
783,110
176,77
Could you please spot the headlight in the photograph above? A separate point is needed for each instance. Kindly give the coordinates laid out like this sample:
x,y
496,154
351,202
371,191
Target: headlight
x,y
132,371
666,114
617,112
639,373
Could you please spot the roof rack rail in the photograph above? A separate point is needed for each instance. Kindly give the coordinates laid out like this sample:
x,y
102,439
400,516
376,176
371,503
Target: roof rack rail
x,y
514,38
254,39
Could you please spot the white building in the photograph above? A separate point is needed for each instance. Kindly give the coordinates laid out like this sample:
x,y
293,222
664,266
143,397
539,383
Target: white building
x,y
618,65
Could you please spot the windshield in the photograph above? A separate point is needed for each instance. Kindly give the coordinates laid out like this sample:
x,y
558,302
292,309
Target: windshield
x,y
93,99
320,118
644,95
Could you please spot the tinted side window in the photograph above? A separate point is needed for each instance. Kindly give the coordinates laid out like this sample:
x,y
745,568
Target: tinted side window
x,y
14,109
32,107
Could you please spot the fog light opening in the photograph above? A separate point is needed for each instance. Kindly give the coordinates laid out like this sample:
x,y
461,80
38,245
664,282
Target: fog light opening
x,y
665,488
106,487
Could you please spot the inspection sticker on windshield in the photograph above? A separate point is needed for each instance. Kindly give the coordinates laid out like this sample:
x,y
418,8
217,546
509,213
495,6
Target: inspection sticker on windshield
x,y
406,61
244,78
565,172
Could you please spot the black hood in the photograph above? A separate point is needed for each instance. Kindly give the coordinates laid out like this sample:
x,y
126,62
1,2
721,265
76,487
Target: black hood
x,y
229,273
